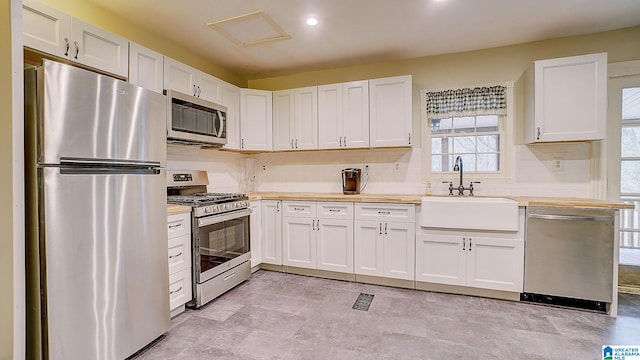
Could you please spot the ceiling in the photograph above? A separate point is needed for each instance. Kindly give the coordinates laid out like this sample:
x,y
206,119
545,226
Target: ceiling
x,y
360,31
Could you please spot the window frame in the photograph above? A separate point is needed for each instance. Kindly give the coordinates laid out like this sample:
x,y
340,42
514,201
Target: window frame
x,y
507,147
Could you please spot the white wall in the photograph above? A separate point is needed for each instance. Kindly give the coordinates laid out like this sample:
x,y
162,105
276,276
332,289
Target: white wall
x,y
320,171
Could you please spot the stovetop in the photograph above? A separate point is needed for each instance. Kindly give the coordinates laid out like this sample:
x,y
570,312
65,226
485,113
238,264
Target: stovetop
x,y
201,199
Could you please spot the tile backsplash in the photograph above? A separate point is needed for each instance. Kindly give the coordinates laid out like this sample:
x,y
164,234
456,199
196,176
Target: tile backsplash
x,y
394,170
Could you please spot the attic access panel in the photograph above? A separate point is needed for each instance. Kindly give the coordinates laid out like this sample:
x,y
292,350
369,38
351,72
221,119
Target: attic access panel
x,y
250,29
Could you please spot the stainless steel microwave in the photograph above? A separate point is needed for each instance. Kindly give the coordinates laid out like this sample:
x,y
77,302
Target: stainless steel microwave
x,y
194,121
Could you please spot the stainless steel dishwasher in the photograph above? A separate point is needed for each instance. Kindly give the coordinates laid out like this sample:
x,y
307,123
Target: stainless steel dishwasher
x,y
569,253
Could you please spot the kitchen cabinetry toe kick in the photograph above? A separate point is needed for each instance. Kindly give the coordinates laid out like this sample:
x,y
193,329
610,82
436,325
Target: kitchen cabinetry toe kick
x,y
471,291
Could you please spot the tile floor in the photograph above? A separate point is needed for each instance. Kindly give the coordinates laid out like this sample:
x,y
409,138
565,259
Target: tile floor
x,y
283,316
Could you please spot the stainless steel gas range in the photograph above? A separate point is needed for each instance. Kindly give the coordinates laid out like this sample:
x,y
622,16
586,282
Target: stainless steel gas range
x,y
219,235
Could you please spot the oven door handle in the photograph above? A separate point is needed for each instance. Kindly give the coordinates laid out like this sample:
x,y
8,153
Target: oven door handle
x,y
216,219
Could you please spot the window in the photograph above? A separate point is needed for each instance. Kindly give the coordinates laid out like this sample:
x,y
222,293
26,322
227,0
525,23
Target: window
x,y
476,139
467,123
630,168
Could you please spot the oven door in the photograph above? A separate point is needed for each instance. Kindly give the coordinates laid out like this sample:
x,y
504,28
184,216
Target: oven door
x,y
222,242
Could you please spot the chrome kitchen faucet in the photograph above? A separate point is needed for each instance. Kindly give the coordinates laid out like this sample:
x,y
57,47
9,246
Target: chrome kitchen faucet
x,y
459,167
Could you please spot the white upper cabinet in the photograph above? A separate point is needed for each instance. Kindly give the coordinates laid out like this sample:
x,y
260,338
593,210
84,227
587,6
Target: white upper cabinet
x,y
295,119
145,68
390,111
187,80
231,99
256,111
343,115
566,99
51,31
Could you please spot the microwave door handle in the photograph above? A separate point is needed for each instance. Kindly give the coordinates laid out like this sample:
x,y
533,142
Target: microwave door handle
x,y
222,123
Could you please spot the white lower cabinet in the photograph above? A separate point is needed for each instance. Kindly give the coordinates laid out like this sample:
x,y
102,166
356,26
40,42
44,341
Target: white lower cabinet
x,y
179,257
384,240
271,232
255,232
318,235
483,260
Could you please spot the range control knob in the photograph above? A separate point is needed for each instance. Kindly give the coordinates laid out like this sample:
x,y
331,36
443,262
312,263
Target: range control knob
x,y
207,210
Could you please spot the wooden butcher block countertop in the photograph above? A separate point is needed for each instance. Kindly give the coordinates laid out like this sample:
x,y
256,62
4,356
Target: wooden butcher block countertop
x,y
416,199
176,209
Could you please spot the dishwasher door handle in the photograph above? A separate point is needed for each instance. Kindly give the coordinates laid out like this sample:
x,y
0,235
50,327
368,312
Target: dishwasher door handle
x,y
570,217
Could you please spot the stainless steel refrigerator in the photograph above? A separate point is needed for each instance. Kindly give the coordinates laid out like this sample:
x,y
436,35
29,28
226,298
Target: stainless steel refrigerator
x,y
97,271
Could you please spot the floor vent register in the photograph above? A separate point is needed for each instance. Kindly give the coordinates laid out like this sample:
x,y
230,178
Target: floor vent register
x,y
363,302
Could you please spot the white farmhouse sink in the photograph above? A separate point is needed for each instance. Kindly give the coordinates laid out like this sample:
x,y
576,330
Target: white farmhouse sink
x,y
480,213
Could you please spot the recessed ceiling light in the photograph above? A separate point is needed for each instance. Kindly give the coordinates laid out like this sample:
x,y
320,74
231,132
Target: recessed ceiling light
x,y
312,21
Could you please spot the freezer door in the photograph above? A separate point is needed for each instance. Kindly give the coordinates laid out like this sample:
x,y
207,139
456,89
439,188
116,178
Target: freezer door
x,y
90,116
105,263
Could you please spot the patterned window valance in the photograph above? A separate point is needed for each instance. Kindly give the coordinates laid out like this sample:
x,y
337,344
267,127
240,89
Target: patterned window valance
x,y
461,102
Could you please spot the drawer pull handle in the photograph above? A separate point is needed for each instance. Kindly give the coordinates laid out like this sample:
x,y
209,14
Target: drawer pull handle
x,y
334,210
384,212
175,226
173,292
175,256
298,209
229,276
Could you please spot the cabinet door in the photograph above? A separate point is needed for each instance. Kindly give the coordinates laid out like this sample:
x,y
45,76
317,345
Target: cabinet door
x,y
390,106
209,87
330,129
46,29
179,77
368,248
99,48
179,254
255,235
496,264
299,242
441,259
335,245
179,288
399,250
231,99
305,128
271,232
146,68
283,117
570,98
255,119
356,114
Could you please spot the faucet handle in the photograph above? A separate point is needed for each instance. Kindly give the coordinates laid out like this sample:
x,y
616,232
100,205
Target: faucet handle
x,y
450,187
471,187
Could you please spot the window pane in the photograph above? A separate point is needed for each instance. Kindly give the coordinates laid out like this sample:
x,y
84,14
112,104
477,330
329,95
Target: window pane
x,y
488,162
629,176
441,126
488,143
464,124
630,146
631,103
436,145
469,162
436,163
487,123
464,144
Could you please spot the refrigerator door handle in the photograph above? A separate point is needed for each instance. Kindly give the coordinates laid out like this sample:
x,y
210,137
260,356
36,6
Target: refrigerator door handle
x,y
108,171
96,163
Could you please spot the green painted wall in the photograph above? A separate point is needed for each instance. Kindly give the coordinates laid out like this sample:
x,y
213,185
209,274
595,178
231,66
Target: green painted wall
x,y
6,188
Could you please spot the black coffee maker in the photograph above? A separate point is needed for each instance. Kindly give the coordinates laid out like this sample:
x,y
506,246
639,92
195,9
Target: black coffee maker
x,y
351,181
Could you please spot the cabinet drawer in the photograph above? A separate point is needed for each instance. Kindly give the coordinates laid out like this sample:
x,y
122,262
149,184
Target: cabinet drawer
x,y
305,209
385,212
179,288
178,225
179,253
335,210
